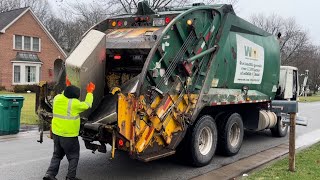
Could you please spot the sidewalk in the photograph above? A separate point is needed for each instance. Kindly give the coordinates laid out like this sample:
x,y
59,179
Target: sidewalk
x,y
29,131
24,128
250,163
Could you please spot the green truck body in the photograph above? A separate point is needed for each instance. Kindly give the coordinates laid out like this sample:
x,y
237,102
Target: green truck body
x,y
187,80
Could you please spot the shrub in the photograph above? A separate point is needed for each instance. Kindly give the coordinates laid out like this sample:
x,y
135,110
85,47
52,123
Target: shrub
x,y
309,93
2,88
18,89
25,88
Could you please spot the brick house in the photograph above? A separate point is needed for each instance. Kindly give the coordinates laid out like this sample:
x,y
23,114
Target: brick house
x,y
27,49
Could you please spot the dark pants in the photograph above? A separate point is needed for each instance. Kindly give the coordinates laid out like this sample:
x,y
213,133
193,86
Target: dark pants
x,y
68,146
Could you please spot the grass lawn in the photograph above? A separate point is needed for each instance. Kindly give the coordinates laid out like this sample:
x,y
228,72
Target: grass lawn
x,y
307,167
28,115
309,98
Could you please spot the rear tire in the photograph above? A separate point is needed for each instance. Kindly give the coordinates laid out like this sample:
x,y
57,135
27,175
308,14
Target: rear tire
x,y
231,135
280,130
203,141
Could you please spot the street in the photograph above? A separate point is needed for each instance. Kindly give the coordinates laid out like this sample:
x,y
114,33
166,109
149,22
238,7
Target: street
x,y
22,157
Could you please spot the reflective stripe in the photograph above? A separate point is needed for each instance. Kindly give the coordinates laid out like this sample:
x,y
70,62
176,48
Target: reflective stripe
x,y
66,117
69,108
88,104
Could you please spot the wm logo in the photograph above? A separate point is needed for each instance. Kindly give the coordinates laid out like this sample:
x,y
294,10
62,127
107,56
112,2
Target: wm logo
x,y
251,52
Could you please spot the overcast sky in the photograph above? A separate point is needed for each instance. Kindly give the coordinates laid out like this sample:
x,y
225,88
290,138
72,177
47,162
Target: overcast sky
x,y
305,12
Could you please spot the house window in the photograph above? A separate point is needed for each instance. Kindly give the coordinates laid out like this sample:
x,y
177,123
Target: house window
x,y
18,42
26,68
16,74
30,74
25,73
27,43
36,44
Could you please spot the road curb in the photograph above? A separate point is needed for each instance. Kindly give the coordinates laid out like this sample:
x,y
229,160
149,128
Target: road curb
x,y
247,164
20,135
253,162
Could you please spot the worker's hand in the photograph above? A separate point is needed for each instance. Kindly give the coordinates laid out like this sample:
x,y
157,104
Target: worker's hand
x,y
68,83
90,87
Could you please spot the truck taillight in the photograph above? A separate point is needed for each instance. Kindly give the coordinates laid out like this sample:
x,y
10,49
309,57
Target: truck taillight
x,y
114,23
117,57
120,142
167,20
119,23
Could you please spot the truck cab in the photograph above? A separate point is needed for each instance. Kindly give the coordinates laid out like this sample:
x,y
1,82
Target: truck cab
x,y
288,83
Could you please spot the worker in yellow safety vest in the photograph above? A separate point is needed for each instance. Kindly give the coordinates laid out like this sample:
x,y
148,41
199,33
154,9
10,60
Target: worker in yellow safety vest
x,y
65,128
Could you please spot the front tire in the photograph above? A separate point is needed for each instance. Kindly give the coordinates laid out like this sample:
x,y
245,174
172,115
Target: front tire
x,y
203,141
231,135
280,130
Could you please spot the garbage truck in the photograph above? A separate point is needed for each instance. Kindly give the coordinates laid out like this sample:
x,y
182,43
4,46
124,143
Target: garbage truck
x,y
185,81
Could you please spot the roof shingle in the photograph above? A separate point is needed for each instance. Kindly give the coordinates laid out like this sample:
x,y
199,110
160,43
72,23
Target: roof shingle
x,y
8,16
27,57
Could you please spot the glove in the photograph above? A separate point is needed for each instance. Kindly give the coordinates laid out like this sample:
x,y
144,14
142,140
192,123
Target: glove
x,y
68,83
90,87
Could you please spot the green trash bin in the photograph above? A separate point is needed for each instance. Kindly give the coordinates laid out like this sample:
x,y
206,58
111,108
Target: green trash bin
x,y
10,112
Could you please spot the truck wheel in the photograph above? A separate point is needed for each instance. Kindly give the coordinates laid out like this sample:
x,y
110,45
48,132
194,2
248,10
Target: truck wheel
x,y
203,141
280,130
231,135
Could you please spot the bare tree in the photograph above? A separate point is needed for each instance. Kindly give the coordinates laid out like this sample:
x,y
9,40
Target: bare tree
x,y
40,8
130,6
294,38
272,24
76,18
7,5
296,49
56,27
232,2
294,41
88,14
312,63
66,30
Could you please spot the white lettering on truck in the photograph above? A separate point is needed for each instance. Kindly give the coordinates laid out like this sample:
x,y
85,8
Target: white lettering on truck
x,y
250,62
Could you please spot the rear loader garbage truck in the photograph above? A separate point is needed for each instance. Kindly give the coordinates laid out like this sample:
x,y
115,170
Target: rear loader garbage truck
x,y
177,80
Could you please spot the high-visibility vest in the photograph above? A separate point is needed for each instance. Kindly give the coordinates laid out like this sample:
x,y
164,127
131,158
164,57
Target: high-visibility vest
x,y
66,118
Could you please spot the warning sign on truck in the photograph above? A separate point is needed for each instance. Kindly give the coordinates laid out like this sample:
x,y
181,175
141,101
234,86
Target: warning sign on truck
x,y
250,62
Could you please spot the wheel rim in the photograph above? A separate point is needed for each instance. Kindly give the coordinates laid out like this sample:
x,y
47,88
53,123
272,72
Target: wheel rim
x,y
234,134
283,126
205,140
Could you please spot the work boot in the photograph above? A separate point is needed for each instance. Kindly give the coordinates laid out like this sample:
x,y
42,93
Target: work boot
x,y
75,178
49,177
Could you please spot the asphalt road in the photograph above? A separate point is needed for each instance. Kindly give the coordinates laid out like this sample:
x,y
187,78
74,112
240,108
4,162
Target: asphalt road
x,y
21,157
